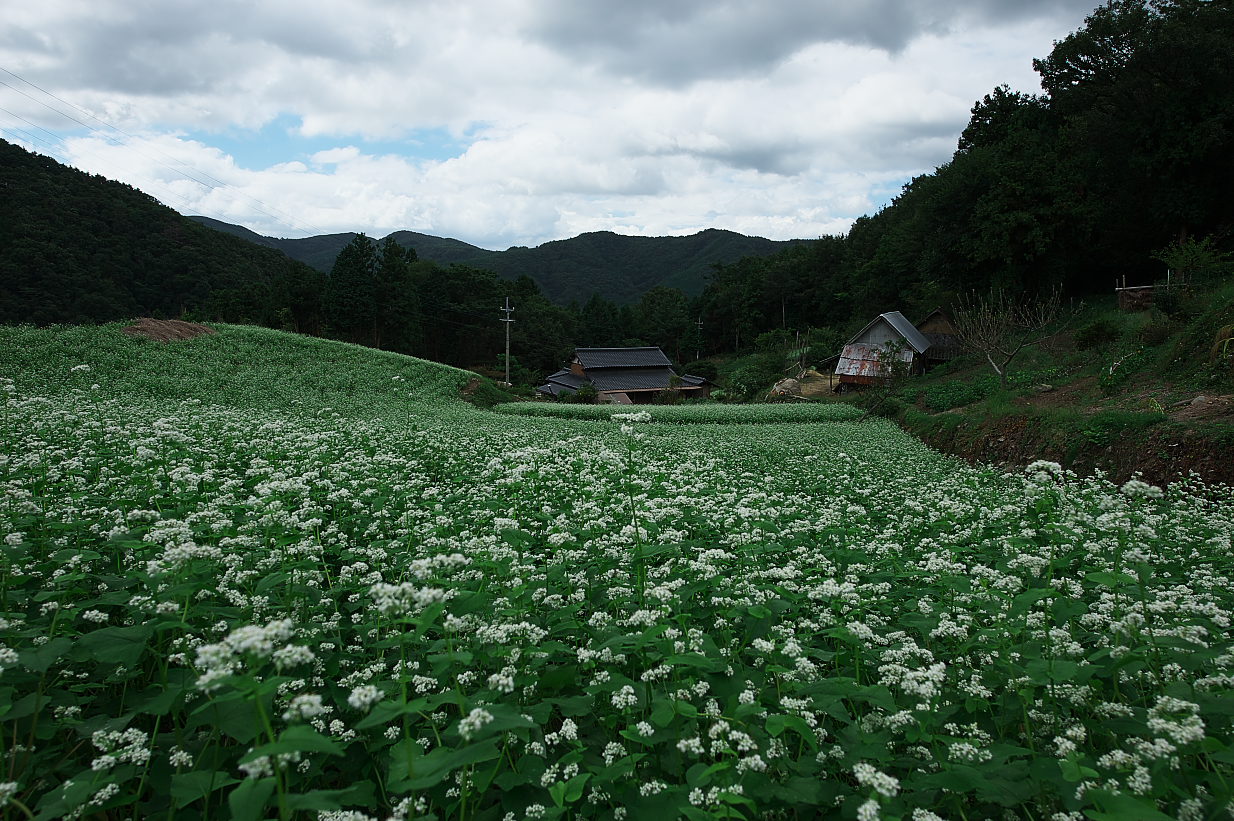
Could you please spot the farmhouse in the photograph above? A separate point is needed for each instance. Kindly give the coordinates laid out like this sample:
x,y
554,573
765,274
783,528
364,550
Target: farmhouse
x,y
859,361
625,376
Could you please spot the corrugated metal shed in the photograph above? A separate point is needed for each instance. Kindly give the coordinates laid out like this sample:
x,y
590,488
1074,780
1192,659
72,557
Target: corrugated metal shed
x,y
862,360
895,322
621,358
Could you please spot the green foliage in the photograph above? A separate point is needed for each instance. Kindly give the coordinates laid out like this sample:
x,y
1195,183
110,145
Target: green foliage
x,y
486,395
957,392
254,575
1196,261
1123,367
586,394
616,268
1103,428
1099,333
77,248
750,377
690,414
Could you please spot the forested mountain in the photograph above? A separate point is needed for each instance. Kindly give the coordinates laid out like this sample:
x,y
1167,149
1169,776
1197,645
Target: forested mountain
x,y
76,247
617,267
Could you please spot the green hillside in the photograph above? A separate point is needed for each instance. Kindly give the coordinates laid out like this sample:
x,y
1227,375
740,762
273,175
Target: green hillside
x,y
76,247
255,575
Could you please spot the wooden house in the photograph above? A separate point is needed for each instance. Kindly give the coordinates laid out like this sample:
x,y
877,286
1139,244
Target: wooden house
x,y
944,339
859,362
626,376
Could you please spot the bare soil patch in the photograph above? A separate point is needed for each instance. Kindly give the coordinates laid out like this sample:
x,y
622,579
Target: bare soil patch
x,y
1203,408
166,330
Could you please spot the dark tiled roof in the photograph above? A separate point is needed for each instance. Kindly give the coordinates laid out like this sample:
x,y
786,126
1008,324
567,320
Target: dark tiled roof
x,y
621,358
632,379
568,378
692,381
554,389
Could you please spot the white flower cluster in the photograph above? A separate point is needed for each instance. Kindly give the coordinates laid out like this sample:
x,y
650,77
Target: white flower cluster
x,y
8,657
129,746
1179,720
362,698
305,706
1137,489
880,782
217,661
624,698
472,723
404,599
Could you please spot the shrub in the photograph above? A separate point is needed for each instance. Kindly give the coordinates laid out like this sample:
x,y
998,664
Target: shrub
x,y
1097,334
1157,331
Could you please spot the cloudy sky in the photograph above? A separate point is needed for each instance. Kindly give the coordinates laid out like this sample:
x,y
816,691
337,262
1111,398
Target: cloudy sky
x,y
515,122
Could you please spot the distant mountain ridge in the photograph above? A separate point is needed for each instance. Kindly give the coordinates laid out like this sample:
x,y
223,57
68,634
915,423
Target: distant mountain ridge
x,y
617,267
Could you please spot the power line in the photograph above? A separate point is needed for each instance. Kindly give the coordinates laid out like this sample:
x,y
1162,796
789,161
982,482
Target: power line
x,y
280,216
58,153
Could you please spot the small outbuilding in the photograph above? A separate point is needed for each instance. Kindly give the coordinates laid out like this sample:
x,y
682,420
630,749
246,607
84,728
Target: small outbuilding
x,y
860,363
944,339
626,376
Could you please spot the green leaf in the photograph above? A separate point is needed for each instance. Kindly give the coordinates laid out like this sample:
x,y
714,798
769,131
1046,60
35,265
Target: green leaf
x,y
1111,579
1122,807
234,715
363,794
193,786
1074,771
662,712
427,770
700,774
386,711
114,645
777,724
574,706
39,659
248,801
298,738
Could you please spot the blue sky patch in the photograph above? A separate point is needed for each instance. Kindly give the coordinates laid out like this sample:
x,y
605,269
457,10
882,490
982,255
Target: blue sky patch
x,y
279,141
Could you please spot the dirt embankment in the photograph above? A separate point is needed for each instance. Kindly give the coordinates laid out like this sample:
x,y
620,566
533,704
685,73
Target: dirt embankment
x,y
1193,435
166,330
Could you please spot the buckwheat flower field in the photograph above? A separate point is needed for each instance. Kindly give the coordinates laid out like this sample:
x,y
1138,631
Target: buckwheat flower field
x,y
254,575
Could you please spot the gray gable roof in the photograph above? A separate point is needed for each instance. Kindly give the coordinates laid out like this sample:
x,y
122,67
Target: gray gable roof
x,y
621,358
915,339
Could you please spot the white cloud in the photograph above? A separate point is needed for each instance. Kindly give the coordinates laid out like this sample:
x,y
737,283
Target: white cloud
x,y
778,119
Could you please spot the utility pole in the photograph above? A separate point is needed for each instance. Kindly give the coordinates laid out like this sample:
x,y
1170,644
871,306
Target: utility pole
x,y
698,353
508,319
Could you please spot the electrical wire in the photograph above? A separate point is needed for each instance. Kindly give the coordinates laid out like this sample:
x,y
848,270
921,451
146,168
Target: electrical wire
x,y
280,217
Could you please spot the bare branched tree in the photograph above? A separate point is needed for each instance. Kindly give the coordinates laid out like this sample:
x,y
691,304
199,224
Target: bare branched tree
x,y
893,370
1000,326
